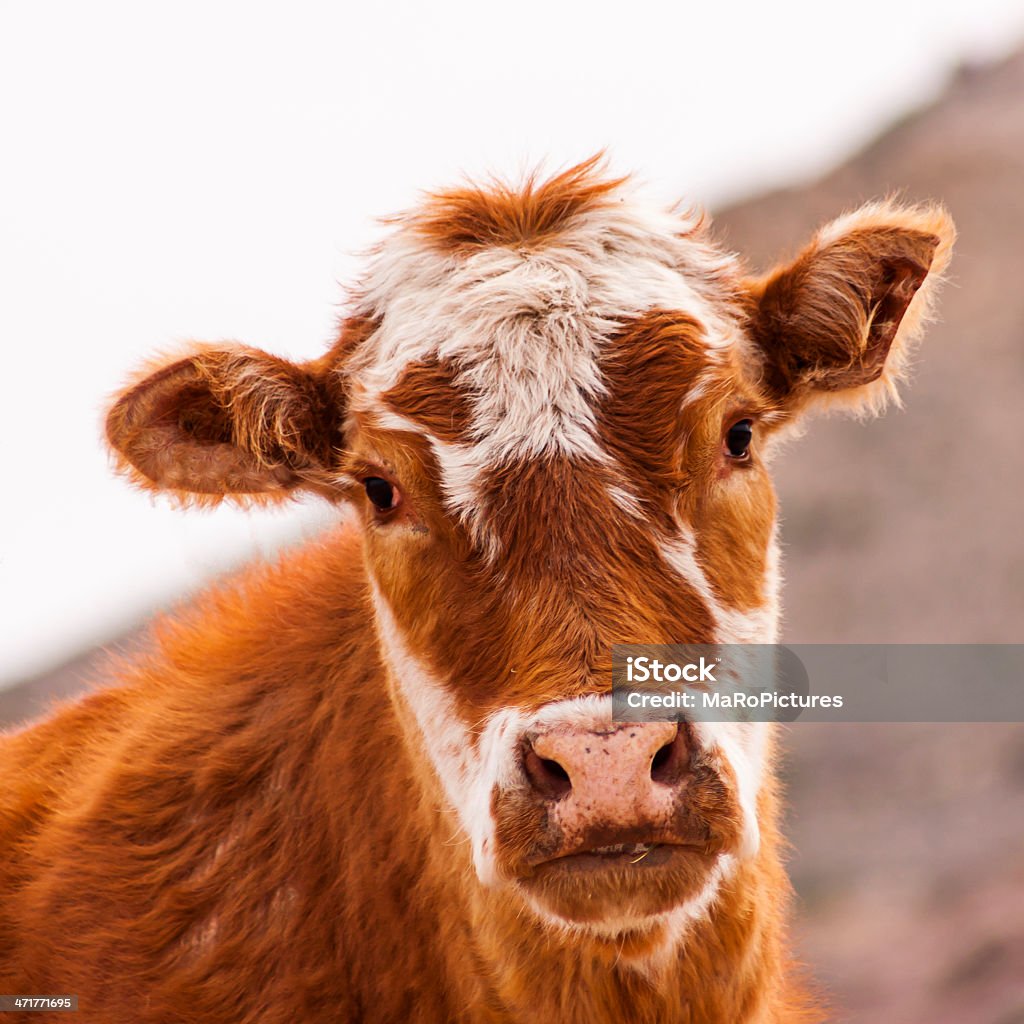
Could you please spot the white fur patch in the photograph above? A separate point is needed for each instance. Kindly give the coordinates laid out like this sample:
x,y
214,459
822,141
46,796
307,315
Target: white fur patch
x,y
741,745
526,328
449,744
755,626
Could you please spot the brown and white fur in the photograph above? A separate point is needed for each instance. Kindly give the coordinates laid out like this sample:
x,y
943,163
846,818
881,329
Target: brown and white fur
x,y
379,781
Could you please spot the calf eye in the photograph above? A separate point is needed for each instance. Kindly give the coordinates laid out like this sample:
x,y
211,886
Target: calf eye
x,y
738,438
383,496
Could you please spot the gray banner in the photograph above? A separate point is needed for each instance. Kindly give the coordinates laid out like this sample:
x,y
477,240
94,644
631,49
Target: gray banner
x,y
818,682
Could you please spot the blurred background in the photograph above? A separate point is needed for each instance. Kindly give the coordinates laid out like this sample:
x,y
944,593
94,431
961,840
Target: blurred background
x,y
212,171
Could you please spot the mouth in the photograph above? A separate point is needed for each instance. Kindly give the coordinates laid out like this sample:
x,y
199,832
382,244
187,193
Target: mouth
x,y
640,849
638,880
638,856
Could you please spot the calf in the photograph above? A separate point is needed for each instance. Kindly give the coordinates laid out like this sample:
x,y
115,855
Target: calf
x,y
379,781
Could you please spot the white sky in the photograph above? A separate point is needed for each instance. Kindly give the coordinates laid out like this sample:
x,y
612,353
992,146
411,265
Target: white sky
x,y
207,170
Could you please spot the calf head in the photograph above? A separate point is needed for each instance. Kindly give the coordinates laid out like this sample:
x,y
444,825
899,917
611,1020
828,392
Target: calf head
x,y
554,408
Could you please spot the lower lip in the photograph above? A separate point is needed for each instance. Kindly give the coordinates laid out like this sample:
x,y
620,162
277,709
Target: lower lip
x,y
657,856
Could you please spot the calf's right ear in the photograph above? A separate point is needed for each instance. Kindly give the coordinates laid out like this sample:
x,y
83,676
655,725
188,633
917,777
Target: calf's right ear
x,y
229,422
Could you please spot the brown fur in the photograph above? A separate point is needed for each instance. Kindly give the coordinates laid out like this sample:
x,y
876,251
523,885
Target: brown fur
x,y
467,219
429,393
228,421
839,322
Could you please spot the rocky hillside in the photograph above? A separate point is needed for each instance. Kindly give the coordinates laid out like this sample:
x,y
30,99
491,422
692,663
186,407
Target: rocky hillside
x,y
909,840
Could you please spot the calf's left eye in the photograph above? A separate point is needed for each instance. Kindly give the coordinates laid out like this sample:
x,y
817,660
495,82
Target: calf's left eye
x,y
381,493
738,438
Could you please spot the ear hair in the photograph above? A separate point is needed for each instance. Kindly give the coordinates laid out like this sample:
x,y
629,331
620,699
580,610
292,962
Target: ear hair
x,y
836,326
228,422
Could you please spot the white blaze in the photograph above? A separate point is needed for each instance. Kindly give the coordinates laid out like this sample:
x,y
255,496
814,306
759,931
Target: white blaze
x,y
526,328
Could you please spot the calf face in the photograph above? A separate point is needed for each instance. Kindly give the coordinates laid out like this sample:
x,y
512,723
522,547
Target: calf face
x,y
553,408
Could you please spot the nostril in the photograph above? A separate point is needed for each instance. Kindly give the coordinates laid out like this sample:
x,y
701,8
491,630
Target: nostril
x,y
661,758
669,763
553,769
548,777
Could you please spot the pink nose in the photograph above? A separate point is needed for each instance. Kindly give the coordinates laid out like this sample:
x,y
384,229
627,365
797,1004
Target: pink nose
x,y
626,775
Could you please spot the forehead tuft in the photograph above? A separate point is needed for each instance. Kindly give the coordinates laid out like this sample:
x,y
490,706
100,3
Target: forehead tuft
x,y
581,248
474,217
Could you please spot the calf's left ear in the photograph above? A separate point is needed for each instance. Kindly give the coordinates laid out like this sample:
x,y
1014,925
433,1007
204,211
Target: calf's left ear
x,y
229,422
836,325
